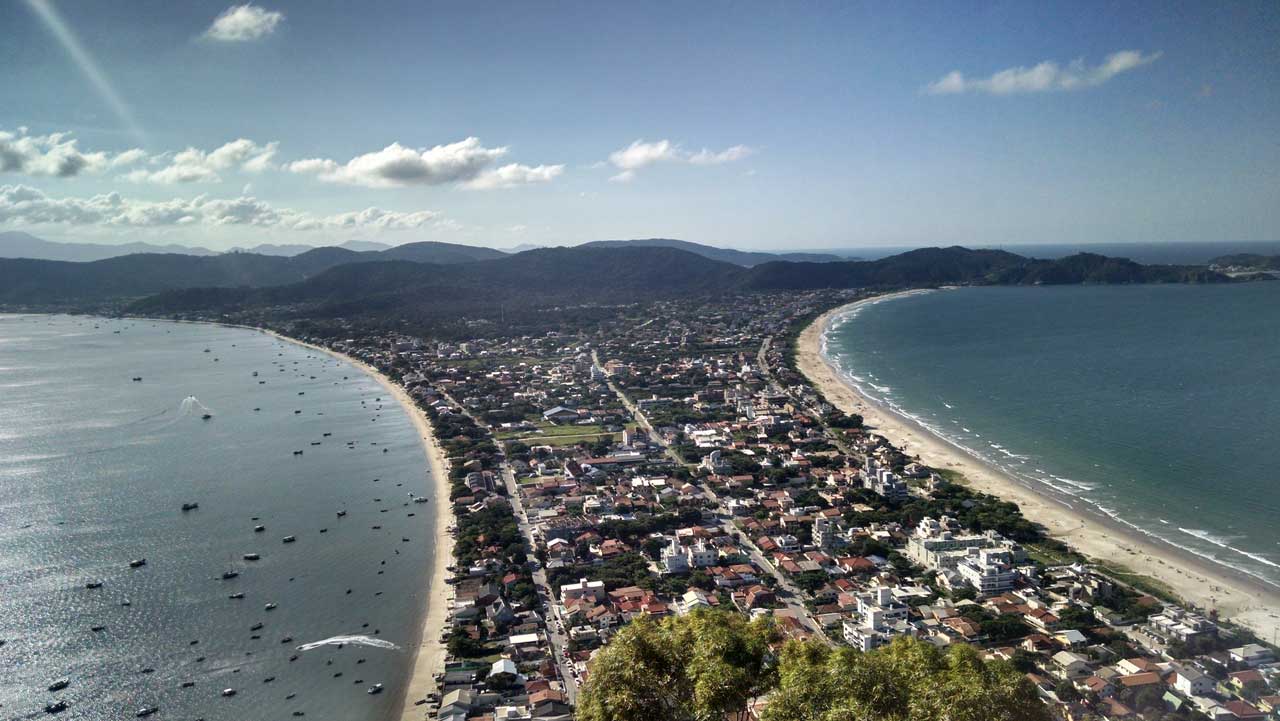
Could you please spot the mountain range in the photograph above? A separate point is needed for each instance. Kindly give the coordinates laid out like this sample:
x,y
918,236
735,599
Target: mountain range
x,y
424,278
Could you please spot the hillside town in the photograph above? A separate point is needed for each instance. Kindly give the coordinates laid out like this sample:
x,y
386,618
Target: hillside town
x,y
672,459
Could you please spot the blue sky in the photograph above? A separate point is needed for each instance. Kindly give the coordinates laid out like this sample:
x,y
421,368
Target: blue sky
x,y
753,125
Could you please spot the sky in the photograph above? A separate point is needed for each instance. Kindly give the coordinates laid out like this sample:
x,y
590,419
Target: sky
x,y
740,124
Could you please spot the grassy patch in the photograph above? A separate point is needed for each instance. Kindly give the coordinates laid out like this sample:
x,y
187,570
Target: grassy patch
x,y
1144,584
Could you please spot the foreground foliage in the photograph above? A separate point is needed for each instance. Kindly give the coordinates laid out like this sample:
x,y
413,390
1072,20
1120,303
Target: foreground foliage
x,y
710,665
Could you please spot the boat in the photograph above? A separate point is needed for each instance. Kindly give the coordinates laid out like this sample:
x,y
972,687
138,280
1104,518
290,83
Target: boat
x,y
259,529
374,689
190,506
139,563
288,539
93,584
60,684
341,514
228,692
228,575
146,711
256,627
297,453
137,379
55,707
315,443
206,416
188,684
420,499
269,607
251,557
255,374
237,595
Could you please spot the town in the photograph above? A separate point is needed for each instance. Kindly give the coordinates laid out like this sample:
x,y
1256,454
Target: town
x,y
669,457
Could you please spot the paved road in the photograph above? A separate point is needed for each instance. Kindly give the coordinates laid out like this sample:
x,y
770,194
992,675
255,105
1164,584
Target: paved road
x,y
558,641
792,597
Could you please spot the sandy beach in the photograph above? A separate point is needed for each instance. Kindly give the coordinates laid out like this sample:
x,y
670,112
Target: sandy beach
x,y
428,651
1234,595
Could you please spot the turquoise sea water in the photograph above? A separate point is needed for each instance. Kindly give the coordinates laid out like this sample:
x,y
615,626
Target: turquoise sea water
x,y
94,469
1157,405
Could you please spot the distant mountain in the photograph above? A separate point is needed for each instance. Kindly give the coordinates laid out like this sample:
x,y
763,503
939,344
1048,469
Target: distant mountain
x,y
67,284
291,249
287,250
433,252
337,281
15,244
957,265
743,258
363,246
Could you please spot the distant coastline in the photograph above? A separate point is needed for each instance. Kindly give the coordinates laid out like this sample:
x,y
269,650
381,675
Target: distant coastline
x,y
1235,595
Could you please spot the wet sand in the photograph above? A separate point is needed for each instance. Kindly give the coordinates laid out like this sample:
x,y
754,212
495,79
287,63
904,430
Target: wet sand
x,y
1235,595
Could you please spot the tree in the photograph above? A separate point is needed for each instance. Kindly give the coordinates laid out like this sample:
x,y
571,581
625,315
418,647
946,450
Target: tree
x,y
908,680
697,667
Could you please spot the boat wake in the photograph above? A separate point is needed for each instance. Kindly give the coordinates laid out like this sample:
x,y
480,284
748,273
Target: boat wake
x,y
349,641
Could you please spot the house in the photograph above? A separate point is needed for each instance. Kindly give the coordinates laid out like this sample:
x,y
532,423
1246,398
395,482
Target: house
x,y
1251,655
1071,665
1137,680
1244,709
1192,682
582,589
456,705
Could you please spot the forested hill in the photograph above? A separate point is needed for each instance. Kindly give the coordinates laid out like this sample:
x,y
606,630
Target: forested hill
x,y
577,275
957,265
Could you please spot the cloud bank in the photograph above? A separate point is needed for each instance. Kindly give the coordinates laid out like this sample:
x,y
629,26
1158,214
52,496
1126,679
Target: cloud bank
x,y
56,155
31,206
466,162
1045,77
243,23
197,166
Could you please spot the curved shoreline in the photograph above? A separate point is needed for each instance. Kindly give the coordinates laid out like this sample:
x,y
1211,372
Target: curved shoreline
x,y
429,651
1235,595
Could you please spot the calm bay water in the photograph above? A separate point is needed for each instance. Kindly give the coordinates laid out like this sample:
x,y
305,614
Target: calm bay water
x,y
1158,405
94,469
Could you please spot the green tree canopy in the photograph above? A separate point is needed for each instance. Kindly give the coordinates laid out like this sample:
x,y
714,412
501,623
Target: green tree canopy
x,y
710,664
908,680
685,668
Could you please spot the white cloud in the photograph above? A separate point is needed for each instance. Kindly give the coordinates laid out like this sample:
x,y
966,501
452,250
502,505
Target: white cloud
x,y
56,155
466,161
509,176
241,23
30,206
1043,77
197,166
641,153
706,157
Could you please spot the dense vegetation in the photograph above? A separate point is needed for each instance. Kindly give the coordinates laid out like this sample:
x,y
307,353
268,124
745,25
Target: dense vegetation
x,y
710,665
423,281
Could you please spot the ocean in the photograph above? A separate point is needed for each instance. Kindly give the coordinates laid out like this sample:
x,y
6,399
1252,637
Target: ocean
x,y
1157,405
95,467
